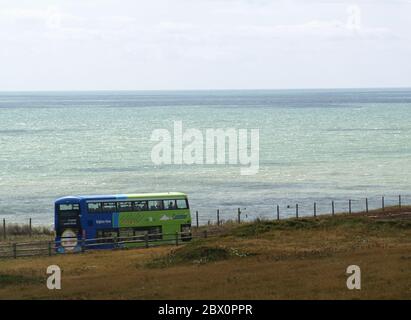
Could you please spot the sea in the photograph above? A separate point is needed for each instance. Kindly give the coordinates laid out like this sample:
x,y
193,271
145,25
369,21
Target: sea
x,y
314,146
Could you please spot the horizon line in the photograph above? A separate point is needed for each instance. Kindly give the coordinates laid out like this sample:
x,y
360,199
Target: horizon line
x,y
209,89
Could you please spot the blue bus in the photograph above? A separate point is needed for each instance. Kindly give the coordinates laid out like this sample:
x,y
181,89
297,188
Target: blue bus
x,y
86,221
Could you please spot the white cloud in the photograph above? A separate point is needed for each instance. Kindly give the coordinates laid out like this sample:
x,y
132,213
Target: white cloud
x,y
352,27
53,23
138,40
50,17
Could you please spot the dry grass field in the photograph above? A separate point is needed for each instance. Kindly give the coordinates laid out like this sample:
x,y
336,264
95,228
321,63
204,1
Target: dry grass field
x,y
291,259
22,232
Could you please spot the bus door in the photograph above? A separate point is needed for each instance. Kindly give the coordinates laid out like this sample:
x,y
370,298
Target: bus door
x,y
68,227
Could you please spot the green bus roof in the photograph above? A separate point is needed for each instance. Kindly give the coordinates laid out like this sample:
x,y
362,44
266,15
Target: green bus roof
x,y
163,195
131,196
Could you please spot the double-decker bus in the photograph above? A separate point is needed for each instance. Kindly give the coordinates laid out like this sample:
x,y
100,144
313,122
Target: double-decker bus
x,y
88,220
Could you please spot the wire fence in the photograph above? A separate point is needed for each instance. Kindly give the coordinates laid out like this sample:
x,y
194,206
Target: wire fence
x,y
73,245
289,209
210,226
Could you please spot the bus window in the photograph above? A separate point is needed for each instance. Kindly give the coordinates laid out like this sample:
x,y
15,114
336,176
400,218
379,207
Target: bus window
x,y
125,206
155,205
68,217
106,235
109,207
154,233
94,207
182,204
170,204
140,205
69,208
126,233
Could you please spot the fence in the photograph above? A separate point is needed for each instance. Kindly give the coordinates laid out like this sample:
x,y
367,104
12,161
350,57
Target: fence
x,y
14,229
14,250
49,248
315,208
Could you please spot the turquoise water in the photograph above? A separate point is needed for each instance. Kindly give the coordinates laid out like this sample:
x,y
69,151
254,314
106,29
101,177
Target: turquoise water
x,y
315,145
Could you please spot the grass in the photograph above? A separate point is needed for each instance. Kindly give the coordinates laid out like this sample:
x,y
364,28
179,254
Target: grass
x,y
196,252
259,227
290,259
22,232
16,279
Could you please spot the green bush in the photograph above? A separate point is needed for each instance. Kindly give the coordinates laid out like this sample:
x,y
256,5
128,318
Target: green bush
x,y
196,254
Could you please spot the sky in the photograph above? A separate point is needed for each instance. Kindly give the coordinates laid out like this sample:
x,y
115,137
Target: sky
x,y
204,44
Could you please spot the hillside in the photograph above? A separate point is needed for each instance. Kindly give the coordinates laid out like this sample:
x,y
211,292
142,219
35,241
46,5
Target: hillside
x,y
291,259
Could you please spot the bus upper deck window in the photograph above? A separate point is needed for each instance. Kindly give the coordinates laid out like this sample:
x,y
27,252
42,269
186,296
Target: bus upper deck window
x,y
182,204
155,204
140,205
94,207
170,204
109,207
125,206
69,207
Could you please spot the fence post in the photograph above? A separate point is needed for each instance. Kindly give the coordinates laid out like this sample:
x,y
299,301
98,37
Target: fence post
x,y
4,229
349,206
176,238
146,239
366,205
218,217
197,219
315,209
239,215
49,247
383,203
205,233
399,201
83,244
30,227
278,212
296,210
15,250
333,207
115,242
